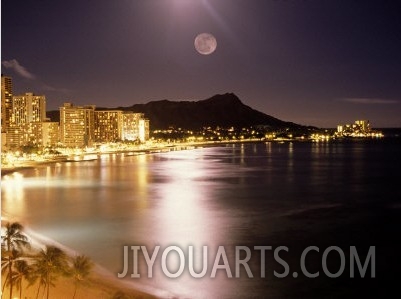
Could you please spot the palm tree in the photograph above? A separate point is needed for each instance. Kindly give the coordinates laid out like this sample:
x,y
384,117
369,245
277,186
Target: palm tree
x,y
50,264
8,258
12,239
81,269
22,271
35,275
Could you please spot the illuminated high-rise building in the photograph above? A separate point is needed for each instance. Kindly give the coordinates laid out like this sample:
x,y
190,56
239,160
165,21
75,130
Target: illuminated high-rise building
x,y
364,125
28,108
360,128
108,125
42,133
143,129
134,127
27,113
24,119
6,102
77,125
50,133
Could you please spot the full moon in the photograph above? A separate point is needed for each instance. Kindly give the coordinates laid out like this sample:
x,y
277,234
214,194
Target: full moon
x,y
205,43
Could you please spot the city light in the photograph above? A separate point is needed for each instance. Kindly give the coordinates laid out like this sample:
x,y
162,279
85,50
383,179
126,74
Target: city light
x,y
29,138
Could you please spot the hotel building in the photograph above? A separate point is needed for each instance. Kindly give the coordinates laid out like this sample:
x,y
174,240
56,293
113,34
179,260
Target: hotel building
x,y
23,122
143,130
42,133
6,102
115,125
28,108
77,125
27,123
108,125
360,128
135,127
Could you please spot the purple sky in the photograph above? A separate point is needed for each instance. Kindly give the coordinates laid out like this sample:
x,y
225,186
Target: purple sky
x,y
314,62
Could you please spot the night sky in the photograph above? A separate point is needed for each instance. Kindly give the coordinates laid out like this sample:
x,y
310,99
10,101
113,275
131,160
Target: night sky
x,y
313,62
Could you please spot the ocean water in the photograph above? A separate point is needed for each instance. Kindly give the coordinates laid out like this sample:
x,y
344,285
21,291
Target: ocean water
x,y
293,194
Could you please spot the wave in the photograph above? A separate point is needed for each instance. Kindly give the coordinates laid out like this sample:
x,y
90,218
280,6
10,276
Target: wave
x,y
312,208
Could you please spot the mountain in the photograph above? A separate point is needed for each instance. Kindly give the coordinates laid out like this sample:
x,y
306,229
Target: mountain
x,y
224,110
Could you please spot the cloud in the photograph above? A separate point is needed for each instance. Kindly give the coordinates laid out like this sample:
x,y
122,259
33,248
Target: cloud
x,y
51,88
370,101
19,69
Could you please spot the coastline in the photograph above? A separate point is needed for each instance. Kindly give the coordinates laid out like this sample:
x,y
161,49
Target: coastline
x,y
145,150
101,283
90,156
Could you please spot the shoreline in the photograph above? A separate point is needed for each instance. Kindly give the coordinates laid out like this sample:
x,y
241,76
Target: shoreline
x,y
89,156
100,284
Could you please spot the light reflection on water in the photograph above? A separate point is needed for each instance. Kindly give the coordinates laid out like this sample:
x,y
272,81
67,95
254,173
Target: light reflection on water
x,y
96,207
234,195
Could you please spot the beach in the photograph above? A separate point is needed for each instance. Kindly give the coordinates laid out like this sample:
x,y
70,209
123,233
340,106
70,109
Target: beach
x,y
100,285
